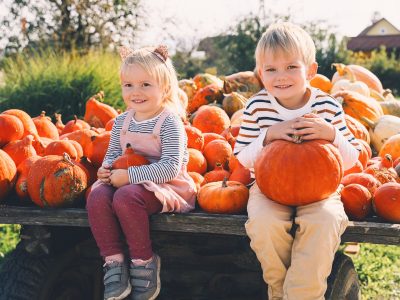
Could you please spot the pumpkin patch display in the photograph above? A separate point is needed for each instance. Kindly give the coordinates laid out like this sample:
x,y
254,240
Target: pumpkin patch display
x,y
298,173
56,181
223,197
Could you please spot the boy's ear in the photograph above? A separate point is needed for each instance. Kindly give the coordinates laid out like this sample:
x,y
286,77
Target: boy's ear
x,y
312,70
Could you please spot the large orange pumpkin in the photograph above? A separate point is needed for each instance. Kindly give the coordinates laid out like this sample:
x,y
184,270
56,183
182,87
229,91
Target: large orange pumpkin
x,y
298,174
391,146
387,202
56,181
29,126
21,149
12,129
223,197
45,127
8,174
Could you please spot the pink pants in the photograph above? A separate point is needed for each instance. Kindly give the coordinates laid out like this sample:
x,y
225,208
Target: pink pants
x,y
121,216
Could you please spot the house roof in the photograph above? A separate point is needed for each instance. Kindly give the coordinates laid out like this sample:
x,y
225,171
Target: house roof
x,y
367,29
371,42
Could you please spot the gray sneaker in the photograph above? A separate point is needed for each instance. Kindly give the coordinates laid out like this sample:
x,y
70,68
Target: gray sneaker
x,y
145,280
116,281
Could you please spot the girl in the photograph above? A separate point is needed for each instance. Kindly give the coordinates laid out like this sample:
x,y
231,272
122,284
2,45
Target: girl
x,y
121,201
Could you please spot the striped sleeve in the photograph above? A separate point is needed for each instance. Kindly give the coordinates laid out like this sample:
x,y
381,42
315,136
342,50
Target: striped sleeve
x,y
249,141
332,112
173,145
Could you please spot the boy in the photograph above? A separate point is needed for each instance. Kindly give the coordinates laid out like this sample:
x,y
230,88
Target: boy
x,y
293,267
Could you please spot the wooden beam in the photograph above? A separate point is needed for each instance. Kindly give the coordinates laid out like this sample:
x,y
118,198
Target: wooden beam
x,y
372,231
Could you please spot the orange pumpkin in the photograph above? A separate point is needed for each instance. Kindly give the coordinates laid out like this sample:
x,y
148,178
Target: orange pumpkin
x,y
195,138
357,129
75,125
197,161
45,127
83,137
211,119
223,197
321,82
60,147
8,174
89,168
217,151
387,202
29,126
20,150
23,168
197,178
98,148
357,201
218,174
391,146
364,179
12,129
129,159
245,83
357,168
208,94
358,106
210,136
56,181
97,114
298,174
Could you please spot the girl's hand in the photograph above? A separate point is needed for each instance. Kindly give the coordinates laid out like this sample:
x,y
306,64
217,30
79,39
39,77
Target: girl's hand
x,y
312,127
119,177
280,131
103,174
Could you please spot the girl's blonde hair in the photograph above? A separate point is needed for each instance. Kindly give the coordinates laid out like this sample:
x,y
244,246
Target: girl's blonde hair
x,y
162,71
286,37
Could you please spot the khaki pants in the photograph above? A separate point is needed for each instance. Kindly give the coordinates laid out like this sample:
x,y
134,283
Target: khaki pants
x,y
295,268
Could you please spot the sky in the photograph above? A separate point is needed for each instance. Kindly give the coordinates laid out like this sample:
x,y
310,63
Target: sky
x,y
188,21
198,19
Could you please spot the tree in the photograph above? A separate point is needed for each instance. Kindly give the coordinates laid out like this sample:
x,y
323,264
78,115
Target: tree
x,y
68,24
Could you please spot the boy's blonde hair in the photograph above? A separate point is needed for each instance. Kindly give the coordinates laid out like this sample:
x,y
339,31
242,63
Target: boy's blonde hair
x,y
161,70
286,37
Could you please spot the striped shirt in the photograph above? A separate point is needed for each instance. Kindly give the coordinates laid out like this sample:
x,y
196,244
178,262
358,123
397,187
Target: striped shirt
x,y
263,111
174,152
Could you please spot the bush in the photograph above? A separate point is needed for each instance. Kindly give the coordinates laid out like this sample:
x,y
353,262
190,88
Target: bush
x,y
60,83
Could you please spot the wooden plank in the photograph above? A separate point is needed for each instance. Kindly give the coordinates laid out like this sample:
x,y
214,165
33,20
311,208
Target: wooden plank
x,y
372,231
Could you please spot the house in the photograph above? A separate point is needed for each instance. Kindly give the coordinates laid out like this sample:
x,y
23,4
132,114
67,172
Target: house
x,y
380,33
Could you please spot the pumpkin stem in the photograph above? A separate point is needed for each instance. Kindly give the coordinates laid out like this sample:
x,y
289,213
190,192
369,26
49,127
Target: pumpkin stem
x,y
43,113
370,123
339,68
224,185
348,71
297,139
67,158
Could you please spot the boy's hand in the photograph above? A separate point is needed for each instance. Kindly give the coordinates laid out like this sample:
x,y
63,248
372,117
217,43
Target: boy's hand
x,y
312,127
103,174
280,131
119,177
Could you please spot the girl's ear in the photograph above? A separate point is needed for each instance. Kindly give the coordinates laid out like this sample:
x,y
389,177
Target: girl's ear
x,y
312,70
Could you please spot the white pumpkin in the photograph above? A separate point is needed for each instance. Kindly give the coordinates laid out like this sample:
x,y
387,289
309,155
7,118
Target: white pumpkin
x,y
385,127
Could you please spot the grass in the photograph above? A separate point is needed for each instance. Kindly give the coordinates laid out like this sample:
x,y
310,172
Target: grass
x,y
378,266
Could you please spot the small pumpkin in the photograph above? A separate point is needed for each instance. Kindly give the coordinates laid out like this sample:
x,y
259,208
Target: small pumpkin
x,y
29,126
391,146
357,201
321,82
59,123
21,187
74,125
197,162
195,138
364,179
387,202
98,147
12,129
206,95
233,102
223,197
21,149
45,127
211,119
129,159
217,151
203,79
382,129
357,129
218,174
97,114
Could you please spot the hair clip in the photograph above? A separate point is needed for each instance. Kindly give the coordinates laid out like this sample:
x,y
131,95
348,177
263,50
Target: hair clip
x,y
162,52
124,52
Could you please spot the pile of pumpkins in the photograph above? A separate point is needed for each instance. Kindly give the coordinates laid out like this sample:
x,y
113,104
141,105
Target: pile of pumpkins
x,y
54,165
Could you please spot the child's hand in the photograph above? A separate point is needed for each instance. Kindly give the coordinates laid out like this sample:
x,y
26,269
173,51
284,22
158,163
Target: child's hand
x,y
312,127
280,131
119,177
103,174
